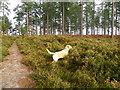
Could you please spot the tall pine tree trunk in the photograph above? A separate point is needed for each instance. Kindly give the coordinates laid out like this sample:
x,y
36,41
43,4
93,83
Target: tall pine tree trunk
x,y
112,28
104,23
102,18
19,27
54,27
44,28
27,33
86,21
3,19
116,22
63,19
108,23
81,18
40,29
48,32
97,30
70,26
104,29
108,30
92,26
36,28
44,31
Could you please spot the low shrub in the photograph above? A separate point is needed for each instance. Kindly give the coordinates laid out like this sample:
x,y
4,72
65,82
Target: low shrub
x,y
7,41
89,64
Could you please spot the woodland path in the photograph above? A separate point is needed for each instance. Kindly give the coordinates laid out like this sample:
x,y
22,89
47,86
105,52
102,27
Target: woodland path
x,y
14,74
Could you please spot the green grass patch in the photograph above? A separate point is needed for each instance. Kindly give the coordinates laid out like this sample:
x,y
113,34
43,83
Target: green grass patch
x,y
92,63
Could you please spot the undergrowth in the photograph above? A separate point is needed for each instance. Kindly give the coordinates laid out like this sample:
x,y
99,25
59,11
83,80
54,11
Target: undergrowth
x,y
7,41
92,63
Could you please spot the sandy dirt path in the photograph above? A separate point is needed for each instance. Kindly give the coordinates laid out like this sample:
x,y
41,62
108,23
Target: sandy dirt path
x,y
14,74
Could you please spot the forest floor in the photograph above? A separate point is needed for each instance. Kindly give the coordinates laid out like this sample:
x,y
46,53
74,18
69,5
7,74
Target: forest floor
x,y
14,74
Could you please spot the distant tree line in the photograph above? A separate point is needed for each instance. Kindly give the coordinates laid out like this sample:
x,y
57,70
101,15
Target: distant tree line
x,y
5,24
51,18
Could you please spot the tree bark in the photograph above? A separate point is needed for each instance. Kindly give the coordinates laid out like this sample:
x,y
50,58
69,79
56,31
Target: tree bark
x,y
19,27
40,32
36,28
108,30
54,27
44,28
81,18
3,19
63,19
92,26
116,22
97,30
102,17
44,31
112,28
70,26
27,23
104,29
86,21
48,32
